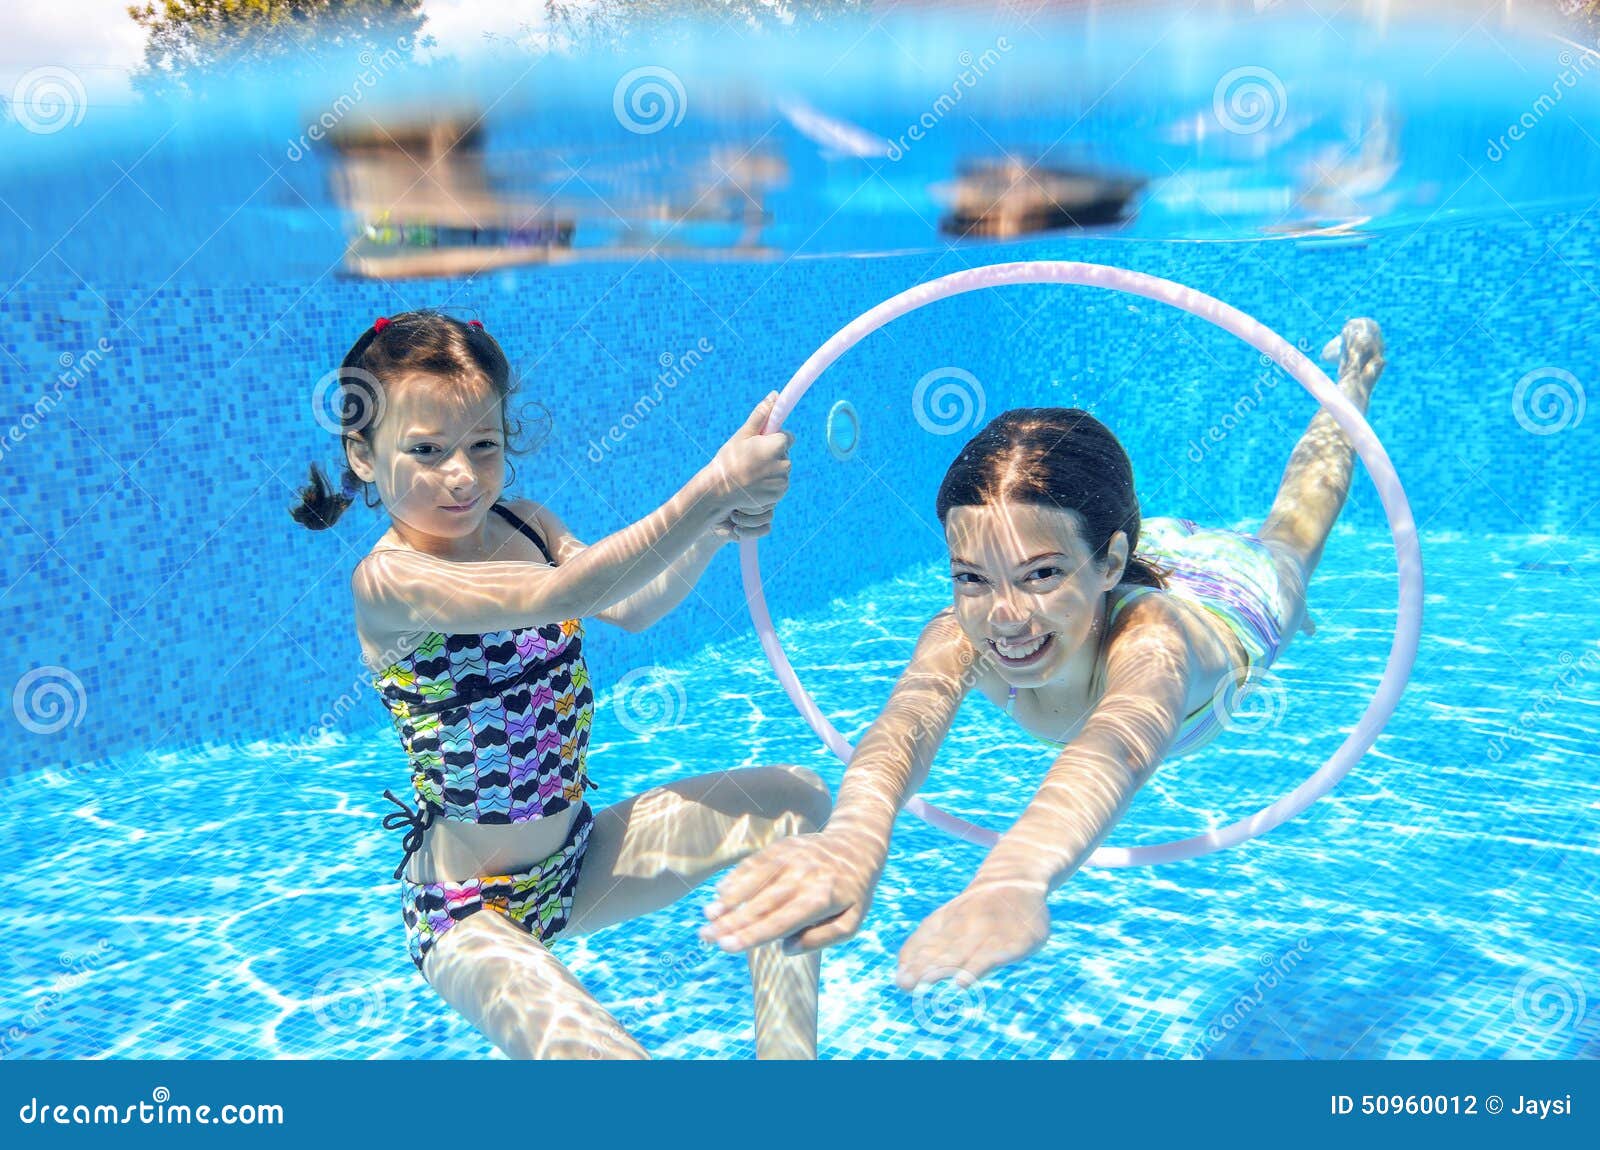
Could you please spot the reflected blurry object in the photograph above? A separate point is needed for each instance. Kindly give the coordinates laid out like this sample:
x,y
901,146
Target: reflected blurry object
x,y
835,138
420,194
1345,185
1010,198
1341,178
717,205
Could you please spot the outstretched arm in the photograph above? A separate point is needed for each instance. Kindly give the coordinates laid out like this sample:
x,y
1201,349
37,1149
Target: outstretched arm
x,y
1001,917
652,602
814,890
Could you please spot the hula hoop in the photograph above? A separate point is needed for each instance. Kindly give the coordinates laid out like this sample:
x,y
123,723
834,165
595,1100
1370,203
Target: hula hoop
x,y
1408,624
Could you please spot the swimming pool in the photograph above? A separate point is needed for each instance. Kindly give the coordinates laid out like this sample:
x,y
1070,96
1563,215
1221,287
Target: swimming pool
x,y
192,794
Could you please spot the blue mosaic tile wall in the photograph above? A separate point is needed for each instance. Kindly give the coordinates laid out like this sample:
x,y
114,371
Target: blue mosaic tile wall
x,y
148,553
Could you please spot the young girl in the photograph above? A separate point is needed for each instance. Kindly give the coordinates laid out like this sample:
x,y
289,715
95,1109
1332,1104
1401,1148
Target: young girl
x,y
1120,640
469,611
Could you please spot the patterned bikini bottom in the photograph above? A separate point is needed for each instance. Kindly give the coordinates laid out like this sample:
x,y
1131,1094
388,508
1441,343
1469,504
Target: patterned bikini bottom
x,y
538,899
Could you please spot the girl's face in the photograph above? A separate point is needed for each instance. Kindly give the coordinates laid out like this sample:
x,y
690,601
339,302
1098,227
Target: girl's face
x,y
1028,591
437,456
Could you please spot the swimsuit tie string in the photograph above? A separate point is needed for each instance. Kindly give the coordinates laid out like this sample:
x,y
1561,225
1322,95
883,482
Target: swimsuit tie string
x,y
418,820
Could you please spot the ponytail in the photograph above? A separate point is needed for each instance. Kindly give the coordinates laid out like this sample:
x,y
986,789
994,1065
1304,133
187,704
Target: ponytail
x,y
1145,572
320,505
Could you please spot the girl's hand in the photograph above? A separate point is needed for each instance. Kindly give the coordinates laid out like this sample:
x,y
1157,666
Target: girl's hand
x,y
751,471
743,525
810,890
987,926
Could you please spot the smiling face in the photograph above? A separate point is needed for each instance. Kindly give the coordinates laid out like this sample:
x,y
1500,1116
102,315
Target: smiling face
x,y
437,456
1028,590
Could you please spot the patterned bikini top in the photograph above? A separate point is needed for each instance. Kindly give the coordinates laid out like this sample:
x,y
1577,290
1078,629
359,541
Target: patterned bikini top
x,y
496,726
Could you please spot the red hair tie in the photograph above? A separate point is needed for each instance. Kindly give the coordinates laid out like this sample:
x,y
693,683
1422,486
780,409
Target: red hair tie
x,y
475,323
380,323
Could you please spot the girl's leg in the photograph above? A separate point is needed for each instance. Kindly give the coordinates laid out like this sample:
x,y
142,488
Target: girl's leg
x,y
648,851
1316,481
519,995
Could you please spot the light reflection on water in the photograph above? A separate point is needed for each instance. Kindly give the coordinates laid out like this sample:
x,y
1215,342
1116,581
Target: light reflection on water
x,y
238,903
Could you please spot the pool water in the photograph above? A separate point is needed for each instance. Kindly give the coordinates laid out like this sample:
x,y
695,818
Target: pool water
x,y
194,768
237,902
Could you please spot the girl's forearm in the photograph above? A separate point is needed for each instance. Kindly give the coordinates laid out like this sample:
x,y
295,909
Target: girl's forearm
x,y
870,798
647,606
1083,796
626,561
885,770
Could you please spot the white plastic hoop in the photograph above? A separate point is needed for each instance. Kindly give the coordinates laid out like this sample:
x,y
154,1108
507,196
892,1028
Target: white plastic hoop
x,y
1408,624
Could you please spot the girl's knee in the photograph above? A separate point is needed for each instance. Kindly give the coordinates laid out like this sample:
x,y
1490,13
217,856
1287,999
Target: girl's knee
x,y
806,798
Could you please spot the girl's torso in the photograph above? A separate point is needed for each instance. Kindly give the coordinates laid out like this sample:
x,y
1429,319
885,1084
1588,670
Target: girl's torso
x,y
455,850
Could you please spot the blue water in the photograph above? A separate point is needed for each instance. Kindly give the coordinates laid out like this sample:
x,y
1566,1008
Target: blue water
x,y
192,788
1439,905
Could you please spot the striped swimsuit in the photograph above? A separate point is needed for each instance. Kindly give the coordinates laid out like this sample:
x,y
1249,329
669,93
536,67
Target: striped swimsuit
x,y
496,727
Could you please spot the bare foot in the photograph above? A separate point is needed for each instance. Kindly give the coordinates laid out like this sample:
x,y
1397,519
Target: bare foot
x,y
1359,348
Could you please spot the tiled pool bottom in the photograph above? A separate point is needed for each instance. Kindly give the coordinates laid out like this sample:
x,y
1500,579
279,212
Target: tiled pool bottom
x,y
239,904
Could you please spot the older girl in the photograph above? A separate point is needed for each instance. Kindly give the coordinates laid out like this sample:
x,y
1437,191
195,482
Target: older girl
x,y
1120,642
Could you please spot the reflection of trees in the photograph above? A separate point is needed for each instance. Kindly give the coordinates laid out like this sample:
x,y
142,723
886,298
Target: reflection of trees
x,y
188,41
615,23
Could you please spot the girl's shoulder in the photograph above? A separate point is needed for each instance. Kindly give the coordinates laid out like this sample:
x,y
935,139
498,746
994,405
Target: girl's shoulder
x,y
1138,608
1212,648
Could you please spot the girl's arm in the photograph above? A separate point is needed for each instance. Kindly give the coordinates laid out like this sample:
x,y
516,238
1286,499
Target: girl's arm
x,y
1001,917
648,605
400,590
1093,781
891,762
814,890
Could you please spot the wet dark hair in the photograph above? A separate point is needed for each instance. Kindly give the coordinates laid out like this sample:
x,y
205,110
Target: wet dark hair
x,y
458,353
1059,457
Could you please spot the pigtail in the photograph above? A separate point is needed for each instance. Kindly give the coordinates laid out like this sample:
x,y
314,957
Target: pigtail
x,y
320,505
